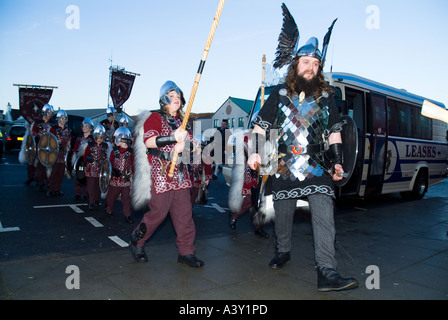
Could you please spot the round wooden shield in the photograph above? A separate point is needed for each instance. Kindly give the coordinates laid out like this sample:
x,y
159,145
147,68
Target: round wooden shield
x,y
105,175
48,149
30,149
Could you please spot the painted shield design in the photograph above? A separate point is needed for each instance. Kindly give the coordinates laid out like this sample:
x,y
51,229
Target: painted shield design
x,y
349,135
105,175
30,149
48,149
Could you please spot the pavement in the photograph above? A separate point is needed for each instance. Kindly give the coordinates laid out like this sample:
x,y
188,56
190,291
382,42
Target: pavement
x,y
398,250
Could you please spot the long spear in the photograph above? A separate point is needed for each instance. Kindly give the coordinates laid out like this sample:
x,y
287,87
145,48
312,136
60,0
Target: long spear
x,y
197,79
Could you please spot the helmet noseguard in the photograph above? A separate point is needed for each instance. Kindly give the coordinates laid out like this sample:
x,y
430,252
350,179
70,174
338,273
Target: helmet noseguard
x,y
61,113
89,122
47,110
310,49
123,134
99,132
166,88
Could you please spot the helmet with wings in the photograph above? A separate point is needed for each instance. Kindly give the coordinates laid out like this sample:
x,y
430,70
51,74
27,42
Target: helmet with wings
x,y
288,42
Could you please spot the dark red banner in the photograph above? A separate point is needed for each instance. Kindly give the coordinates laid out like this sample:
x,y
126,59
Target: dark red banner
x,y
120,88
31,102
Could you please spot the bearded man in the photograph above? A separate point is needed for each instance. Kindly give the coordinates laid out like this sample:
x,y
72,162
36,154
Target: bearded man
x,y
304,112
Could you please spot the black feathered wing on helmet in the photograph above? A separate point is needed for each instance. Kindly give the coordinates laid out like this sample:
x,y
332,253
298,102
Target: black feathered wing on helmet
x,y
141,183
287,40
326,42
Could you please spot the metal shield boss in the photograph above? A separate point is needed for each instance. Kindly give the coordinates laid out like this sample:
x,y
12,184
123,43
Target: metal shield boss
x,y
105,175
349,136
48,149
68,164
78,168
30,149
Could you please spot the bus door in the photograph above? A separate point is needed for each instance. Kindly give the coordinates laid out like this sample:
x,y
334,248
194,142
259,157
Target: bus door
x,y
376,122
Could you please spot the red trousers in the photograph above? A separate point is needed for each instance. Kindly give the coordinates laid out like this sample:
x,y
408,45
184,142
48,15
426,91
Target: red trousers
x,y
112,195
56,177
177,203
93,189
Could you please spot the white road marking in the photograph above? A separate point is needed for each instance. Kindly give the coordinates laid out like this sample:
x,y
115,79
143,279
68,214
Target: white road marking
x,y
119,241
74,207
8,229
216,206
94,222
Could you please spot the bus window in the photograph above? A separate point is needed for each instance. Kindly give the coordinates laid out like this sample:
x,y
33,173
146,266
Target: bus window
x,y
392,116
404,119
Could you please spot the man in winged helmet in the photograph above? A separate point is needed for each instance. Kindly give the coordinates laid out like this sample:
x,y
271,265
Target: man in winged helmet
x,y
303,113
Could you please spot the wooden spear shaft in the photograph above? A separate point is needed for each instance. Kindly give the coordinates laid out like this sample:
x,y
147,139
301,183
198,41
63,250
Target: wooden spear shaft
x,y
197,79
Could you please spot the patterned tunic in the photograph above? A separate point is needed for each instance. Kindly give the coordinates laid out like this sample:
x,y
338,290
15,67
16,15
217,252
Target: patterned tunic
x,y
157,125
64,138
282,188
122,159
99,154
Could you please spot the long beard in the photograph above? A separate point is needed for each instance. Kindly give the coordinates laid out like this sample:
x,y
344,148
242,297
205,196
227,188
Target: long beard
x,y
310,87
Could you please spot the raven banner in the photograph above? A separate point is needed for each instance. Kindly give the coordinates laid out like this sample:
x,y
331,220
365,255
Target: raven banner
x,y
120,88
31,102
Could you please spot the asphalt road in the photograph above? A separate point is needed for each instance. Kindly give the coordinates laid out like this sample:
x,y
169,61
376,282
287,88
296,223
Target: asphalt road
x,y
33,224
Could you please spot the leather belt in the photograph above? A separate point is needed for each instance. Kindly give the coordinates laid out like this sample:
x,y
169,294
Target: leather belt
x,y
159,154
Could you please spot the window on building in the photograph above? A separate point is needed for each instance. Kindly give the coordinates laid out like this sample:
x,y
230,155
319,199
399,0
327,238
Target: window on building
x,y
241,122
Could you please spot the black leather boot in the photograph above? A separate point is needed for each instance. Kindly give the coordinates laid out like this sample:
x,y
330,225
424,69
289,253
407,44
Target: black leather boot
x,y
329,280
138,253
280,259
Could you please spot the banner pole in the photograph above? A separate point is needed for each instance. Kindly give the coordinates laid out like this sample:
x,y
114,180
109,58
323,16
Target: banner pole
x,y
197,79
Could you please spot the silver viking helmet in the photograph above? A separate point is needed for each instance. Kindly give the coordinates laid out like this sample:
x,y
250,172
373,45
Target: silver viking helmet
x,y
124,120
123,134
47,110
166,88
288,42
110,110
89,122
61,113
99,131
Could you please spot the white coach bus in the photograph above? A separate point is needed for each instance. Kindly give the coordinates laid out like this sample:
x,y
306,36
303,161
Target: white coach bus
x,y
399,150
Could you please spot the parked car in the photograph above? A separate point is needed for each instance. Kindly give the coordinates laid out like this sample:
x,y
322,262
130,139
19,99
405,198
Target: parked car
x,y
15,137
1,145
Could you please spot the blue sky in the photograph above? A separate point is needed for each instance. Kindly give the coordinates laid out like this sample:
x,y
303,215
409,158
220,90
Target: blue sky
x,y
164,40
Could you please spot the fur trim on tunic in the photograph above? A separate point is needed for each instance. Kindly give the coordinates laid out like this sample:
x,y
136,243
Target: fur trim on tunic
x,y
142,181
22,154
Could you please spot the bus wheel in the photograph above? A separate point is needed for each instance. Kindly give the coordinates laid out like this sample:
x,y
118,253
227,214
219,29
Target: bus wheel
x,y
420,186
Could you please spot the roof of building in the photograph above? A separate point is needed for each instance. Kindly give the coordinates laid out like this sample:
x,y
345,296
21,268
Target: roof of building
x,y
245,105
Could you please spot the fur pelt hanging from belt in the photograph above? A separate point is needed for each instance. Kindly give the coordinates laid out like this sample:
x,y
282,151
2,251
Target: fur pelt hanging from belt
x,y
235,197
142,182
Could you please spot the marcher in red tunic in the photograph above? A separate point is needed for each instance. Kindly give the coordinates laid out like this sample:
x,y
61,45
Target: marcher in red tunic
x,y
161,135
63,134
122,160
94,157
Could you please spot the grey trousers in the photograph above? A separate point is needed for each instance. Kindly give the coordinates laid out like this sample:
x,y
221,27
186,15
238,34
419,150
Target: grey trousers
x,y
322,220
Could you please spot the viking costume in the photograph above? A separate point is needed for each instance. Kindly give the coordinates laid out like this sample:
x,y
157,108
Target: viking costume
x,y
122,162
38,129
199,174
152,184
108,126
58,169
94,156
303,155
81,142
